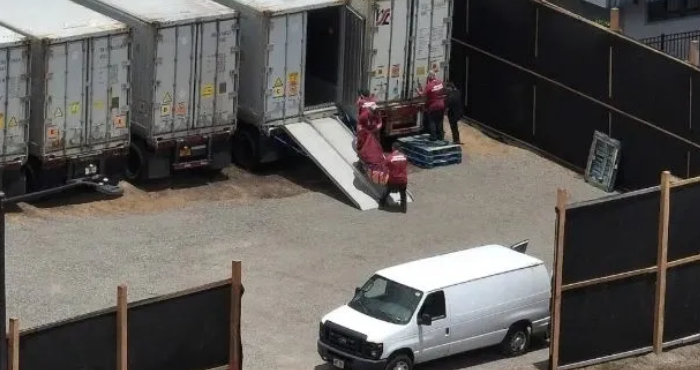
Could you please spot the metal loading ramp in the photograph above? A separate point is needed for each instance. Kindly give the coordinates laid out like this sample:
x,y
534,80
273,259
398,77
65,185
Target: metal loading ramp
x,y
329,144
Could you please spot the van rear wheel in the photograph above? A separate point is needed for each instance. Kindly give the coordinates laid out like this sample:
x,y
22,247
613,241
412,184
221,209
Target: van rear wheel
x,y
400,362
517,341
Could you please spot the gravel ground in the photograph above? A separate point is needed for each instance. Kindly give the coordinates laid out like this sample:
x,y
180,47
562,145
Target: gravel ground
x,y
303,247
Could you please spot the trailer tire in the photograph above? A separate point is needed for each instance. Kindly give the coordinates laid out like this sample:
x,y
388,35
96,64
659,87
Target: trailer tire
x,y
135,163
246,149
16,183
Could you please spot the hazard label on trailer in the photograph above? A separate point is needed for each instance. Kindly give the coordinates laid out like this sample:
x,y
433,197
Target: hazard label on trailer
x,y
119,122
167,98
165,110
13,122
278,88
207,90
2,120
74,107
57,113
52,132
293,83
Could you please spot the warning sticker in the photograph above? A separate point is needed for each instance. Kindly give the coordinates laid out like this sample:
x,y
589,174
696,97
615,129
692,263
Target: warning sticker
x,y
293,83
167,98
420,71
99,105
12,123
207,90
278,83
119,122
165,110
57,113
181,109
2,120
379,72
395,70
52,132
74,107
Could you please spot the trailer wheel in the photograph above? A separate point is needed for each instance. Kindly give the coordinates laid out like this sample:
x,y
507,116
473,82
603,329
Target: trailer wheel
x,y
246,152
135,163
16,183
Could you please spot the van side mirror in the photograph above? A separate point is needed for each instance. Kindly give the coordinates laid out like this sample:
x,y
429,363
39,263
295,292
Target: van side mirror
x,y
425,319
520,246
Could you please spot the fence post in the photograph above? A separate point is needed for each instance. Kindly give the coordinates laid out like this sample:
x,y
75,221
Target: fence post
x,y
122,322
13,345
558,268
694,53
615,19
661,263
235,350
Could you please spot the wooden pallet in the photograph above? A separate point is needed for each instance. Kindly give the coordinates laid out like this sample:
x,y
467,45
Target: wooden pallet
x,y
427,154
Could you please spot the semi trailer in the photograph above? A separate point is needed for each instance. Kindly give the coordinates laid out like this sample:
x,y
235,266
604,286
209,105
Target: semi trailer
x,y
14,110
306,59
185,83
72,100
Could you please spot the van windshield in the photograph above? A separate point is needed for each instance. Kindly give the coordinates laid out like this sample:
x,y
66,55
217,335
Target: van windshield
x,y
386,300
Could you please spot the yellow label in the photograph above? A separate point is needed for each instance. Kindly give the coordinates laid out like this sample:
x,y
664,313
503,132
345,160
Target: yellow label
x,y
58,113
165,110
13,122
278,83
99,105
208,90
420,71
380,71
293,83
278,92
74,107
167,98
2,121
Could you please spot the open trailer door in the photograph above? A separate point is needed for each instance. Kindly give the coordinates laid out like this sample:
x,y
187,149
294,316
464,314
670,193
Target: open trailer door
x,y
351,59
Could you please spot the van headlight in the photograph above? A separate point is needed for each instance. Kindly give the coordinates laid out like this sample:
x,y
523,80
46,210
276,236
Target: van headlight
x,y
373,350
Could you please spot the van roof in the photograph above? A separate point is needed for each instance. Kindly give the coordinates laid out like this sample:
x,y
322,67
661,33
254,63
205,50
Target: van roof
x,y
441,271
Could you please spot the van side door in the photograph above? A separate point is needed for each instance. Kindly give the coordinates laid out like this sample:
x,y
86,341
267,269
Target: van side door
x,y
434,339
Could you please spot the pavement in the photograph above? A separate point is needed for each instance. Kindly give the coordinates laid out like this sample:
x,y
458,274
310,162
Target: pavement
x,y
303,252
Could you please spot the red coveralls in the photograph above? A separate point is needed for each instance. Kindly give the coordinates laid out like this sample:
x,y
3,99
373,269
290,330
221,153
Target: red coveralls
x,y
371,155
435,108
397,166
365,121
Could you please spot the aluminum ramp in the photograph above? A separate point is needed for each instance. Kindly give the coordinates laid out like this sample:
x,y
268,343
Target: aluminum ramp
x,y
341,138
344,175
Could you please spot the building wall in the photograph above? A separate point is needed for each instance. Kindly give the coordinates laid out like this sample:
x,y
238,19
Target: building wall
x,y
634,24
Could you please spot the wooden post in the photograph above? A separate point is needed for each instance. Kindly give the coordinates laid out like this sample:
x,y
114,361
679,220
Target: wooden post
x,y
558,268
694,53
13,345
662,263
122,348
235,362
615,20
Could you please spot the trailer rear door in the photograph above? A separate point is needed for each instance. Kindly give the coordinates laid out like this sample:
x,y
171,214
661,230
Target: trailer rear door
x,y
353,26
430,37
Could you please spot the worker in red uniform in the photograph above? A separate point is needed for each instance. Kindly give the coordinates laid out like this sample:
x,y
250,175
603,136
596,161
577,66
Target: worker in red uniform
x,y
434,94
397,166
368,118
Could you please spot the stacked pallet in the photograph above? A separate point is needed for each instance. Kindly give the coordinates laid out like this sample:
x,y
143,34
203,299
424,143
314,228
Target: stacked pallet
x,y
424,153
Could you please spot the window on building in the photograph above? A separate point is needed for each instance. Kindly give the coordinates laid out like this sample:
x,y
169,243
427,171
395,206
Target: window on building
x,y
659,10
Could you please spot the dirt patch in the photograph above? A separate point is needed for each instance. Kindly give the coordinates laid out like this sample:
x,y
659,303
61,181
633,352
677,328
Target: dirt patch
x,y
233,185
683,358
475,142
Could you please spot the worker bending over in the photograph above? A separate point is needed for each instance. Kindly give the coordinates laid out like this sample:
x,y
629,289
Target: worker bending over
x,y
397,166
368,118
434,106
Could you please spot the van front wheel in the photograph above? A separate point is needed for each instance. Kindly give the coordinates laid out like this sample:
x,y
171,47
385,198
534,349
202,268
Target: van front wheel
x,y
400,362
517,341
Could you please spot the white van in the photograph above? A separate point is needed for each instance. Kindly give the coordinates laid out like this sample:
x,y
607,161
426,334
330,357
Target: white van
x,y
439,306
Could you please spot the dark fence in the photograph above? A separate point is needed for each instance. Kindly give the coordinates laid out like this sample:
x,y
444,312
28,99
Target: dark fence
x,y
188,330
626,266
674,44
536,73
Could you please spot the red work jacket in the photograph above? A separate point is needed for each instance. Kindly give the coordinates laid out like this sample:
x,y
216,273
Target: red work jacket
x,y
434,93
397,164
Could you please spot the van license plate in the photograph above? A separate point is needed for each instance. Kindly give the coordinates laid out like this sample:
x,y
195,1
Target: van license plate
x,y
340,364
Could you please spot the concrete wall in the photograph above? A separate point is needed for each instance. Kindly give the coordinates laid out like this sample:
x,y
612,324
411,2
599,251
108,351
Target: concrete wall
x,y
634,24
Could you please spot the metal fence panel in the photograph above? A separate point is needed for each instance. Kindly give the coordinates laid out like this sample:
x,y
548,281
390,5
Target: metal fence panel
x,y
651,86
572,52
674,44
